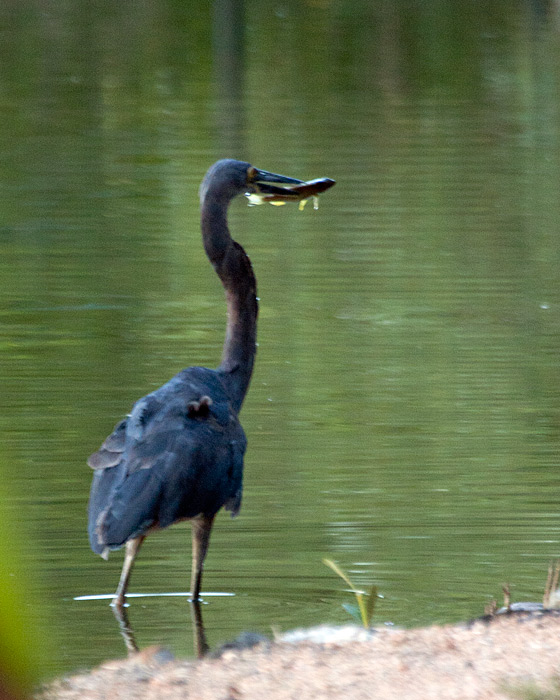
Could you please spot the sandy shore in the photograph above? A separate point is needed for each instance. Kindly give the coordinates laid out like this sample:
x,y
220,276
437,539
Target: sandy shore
x,y
485,659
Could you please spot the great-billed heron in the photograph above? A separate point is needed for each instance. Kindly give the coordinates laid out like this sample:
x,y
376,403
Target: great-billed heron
x,y
178,455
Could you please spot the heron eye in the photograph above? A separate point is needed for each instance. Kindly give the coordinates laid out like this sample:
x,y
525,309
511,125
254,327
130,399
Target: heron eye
x,y
252,173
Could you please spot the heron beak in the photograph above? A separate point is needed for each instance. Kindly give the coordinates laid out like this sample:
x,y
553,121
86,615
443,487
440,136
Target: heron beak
x,y
265,182
260,191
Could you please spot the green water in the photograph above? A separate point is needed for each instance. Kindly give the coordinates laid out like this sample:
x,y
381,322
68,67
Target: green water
x,y
404,413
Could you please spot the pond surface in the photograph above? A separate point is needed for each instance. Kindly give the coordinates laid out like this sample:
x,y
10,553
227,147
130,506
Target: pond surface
x,y
403,418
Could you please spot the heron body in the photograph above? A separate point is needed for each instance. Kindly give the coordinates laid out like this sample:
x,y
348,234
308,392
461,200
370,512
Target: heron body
x,y
167,462
179,453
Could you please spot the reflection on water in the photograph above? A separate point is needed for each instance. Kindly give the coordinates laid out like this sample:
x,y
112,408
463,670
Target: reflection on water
x,y
403,417
127,633
200,643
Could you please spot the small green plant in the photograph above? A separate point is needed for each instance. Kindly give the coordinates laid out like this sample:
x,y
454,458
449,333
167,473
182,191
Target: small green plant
x,y
366,600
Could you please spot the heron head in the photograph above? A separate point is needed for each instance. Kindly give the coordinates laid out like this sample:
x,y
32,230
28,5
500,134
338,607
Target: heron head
x,y
228,178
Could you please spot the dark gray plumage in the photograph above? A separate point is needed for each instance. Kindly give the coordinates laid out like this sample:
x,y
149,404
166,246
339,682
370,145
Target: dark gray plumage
x,y
164,464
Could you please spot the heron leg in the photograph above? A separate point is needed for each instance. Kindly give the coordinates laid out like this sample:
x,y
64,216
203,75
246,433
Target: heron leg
x,y
132,547
201,527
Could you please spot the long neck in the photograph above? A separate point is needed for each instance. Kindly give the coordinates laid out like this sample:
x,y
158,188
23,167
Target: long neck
x,y
236,273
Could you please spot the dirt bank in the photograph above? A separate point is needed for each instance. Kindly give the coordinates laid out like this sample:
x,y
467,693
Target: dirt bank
x,y
481,660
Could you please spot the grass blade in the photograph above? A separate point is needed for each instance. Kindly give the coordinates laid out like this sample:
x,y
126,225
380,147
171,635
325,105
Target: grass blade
x,y
330,563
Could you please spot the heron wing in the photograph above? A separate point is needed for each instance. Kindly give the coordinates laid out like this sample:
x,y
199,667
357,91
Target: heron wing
x,y
164,463
189,472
